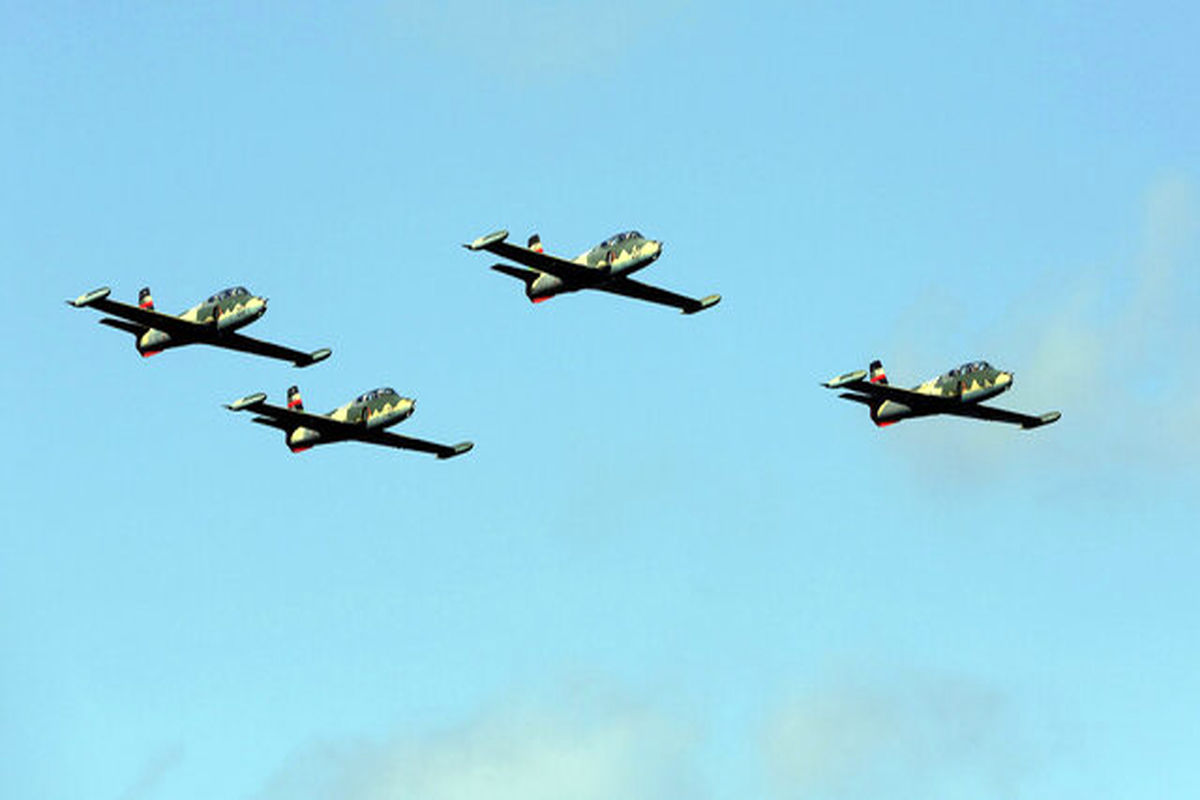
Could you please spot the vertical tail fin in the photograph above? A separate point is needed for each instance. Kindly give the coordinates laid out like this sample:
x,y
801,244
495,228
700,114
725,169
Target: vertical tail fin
x,y
877,374
535,244
293,399
145,300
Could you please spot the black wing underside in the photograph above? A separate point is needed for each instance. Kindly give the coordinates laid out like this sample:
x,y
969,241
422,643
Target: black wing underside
x,y
628,287
553,265
248,344
166,323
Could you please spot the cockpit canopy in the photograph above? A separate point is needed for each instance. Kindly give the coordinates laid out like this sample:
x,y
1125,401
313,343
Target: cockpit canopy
x,y
367,397
969,367
236,291
615,240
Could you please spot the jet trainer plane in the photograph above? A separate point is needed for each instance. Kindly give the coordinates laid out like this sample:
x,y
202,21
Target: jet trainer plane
x,y
957,392
363,419
212,322
606,267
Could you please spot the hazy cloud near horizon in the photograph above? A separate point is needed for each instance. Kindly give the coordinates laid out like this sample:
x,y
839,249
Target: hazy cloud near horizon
x,y
1109,344
529,40
523,751
849,736
937,736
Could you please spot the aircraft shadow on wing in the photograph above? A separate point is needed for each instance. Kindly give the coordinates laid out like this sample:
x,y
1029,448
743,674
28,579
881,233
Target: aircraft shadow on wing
x,y
363,419
214,322
606,267
959,392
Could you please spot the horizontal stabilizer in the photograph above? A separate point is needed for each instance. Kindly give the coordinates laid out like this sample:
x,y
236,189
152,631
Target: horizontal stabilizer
x,y
484,241
707,302
1044,419
91,297
520,273
858,398
842,380
457,450
122,325
249,401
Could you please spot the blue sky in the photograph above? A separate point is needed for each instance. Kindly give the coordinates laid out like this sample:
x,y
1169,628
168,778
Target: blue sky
x,y
673,565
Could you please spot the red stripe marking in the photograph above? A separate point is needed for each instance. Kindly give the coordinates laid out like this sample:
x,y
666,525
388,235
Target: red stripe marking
x,y
299,449
885,424
538,299
294,402
147,304
148,353
878,378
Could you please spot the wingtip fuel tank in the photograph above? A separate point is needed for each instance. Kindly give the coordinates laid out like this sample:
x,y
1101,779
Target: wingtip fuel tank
x,y
458,450
315,356
484,241
1045,419
842,380
88,298
249,401
707,302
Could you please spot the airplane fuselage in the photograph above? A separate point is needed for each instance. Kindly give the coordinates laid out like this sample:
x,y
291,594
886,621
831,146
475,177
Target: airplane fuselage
x,y
224,311
381,408
622,254
970,383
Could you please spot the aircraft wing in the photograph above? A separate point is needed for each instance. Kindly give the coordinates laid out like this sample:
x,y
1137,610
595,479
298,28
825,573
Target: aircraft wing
x,y
247,344
993,414
653,294
553,265
166,323
289,418
389,439
854,382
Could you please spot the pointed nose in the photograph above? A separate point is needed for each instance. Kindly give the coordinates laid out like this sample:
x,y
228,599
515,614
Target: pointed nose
x,y
656,248
1004,379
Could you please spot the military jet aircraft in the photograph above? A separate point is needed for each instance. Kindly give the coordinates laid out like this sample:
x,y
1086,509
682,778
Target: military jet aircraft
x,y
363,419
606,267
956,392
212,322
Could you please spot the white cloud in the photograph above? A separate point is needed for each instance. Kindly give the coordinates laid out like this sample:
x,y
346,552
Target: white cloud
x,y
914,737
581,750
527,38
1112,346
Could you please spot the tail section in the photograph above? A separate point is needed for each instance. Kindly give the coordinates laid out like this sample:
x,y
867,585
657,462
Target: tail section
x,y
535,244
293,399
877,374
145,300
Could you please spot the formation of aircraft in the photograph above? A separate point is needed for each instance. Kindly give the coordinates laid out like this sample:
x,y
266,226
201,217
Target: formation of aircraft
x,y
958,392
605,267
214,322
363,419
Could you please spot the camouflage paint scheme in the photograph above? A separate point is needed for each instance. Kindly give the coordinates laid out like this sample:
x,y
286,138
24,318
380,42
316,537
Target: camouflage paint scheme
x,y
958,392
606,267
212,322
362,419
